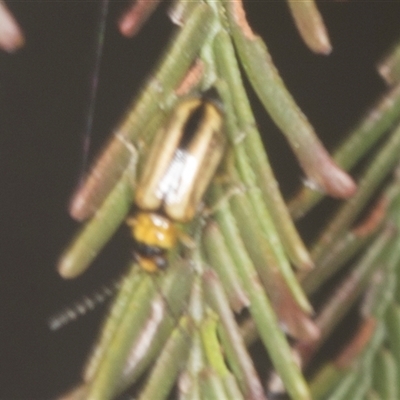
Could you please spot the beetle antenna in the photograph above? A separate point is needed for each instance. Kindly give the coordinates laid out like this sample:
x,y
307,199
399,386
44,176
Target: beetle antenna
x,y
84,305
99,46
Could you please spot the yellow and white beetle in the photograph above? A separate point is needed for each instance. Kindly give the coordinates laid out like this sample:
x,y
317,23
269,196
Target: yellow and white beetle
x,y
181,163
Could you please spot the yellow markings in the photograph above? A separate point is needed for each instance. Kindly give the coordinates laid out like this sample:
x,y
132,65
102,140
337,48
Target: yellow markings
x,y
153,230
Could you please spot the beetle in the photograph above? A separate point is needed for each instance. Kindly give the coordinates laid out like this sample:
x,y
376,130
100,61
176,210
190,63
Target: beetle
x,y
180,165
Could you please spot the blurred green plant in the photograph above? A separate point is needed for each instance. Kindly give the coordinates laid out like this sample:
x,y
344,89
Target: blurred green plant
x,y
249,277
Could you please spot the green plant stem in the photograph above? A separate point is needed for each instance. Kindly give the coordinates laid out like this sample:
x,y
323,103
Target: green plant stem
x,y
105,381
310,25
392,323
347,293
220,259
98,231
142,324
211,386
385,375
266,82
335,383
262,312
254,170
212,349
341,251
382,289
359,141
196,362
257,252
236,352
351,242
327,378
215,357
389,66
167,307
129,285
169,364
382,164
364,374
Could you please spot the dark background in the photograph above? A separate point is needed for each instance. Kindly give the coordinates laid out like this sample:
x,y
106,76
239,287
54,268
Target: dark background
x,y
44,96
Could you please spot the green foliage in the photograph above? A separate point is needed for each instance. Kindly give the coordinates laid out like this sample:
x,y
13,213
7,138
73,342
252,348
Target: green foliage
x,y
249,275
